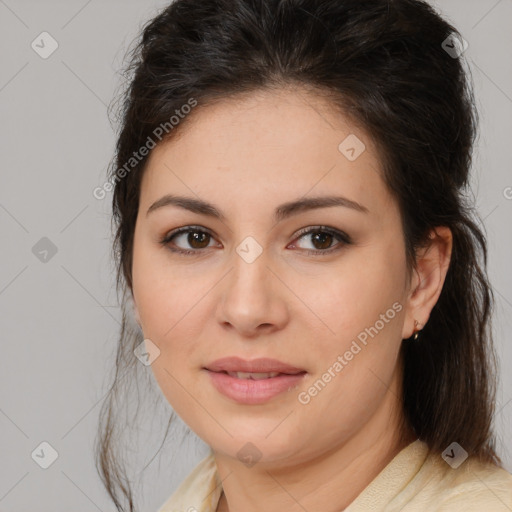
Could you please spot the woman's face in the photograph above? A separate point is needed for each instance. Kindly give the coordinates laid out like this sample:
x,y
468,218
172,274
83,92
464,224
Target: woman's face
x,y
265,280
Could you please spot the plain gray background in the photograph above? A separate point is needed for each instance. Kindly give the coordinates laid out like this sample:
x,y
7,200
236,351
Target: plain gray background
x,y
60,318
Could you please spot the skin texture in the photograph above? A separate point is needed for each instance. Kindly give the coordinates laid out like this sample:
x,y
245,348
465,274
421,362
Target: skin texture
x,y
247,155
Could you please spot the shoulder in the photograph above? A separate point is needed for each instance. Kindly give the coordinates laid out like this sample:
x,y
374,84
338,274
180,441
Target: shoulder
x,y
476,486
470,487
419,480
199,492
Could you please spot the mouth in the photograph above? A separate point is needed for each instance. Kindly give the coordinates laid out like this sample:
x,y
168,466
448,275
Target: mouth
x,y
261,368
259,375
253,382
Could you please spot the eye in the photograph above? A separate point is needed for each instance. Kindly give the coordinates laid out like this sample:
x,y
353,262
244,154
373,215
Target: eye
x,y
321,238
196,237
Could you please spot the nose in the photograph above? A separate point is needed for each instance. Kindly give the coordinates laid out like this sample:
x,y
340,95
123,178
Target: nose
x,y
253,298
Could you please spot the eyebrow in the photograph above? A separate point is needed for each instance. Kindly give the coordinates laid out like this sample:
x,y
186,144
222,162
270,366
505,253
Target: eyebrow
x,y
281,212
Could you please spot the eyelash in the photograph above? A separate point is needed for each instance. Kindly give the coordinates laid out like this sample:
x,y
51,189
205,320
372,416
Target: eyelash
x,y
343,237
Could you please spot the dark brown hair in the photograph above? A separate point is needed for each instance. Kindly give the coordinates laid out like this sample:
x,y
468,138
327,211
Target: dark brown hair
x,y
385,64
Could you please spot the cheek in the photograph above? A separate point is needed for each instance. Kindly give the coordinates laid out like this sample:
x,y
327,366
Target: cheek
x,y
171,312
159,291
358,291
362,306
167,302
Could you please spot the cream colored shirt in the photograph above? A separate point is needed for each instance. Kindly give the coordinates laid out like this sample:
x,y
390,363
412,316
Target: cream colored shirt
x,y
412,481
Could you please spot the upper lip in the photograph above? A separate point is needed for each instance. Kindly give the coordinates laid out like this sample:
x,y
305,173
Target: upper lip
x,y
261,365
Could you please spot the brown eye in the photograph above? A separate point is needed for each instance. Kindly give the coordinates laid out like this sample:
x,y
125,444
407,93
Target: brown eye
x,y
192,240
322,238
196,239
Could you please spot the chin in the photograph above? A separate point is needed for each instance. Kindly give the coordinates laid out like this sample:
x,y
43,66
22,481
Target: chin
x,y
258,444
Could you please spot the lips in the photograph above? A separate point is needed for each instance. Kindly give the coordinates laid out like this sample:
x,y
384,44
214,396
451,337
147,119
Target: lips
x,y
253,382
256,368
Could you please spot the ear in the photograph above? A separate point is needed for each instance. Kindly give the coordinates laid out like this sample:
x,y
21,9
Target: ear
x,y
428,279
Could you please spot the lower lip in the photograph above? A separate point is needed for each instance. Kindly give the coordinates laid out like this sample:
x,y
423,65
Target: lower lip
x,y
253,392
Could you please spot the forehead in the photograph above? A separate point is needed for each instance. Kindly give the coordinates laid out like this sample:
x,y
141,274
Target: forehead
x,y
280,144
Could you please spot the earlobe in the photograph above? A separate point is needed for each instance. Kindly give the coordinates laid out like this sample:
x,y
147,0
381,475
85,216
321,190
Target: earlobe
x,y
430,274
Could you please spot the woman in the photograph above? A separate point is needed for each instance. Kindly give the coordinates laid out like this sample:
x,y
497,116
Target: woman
x,y
294,237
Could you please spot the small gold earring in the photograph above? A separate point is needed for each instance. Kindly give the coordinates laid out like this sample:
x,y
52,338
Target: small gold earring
x,y
417,333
